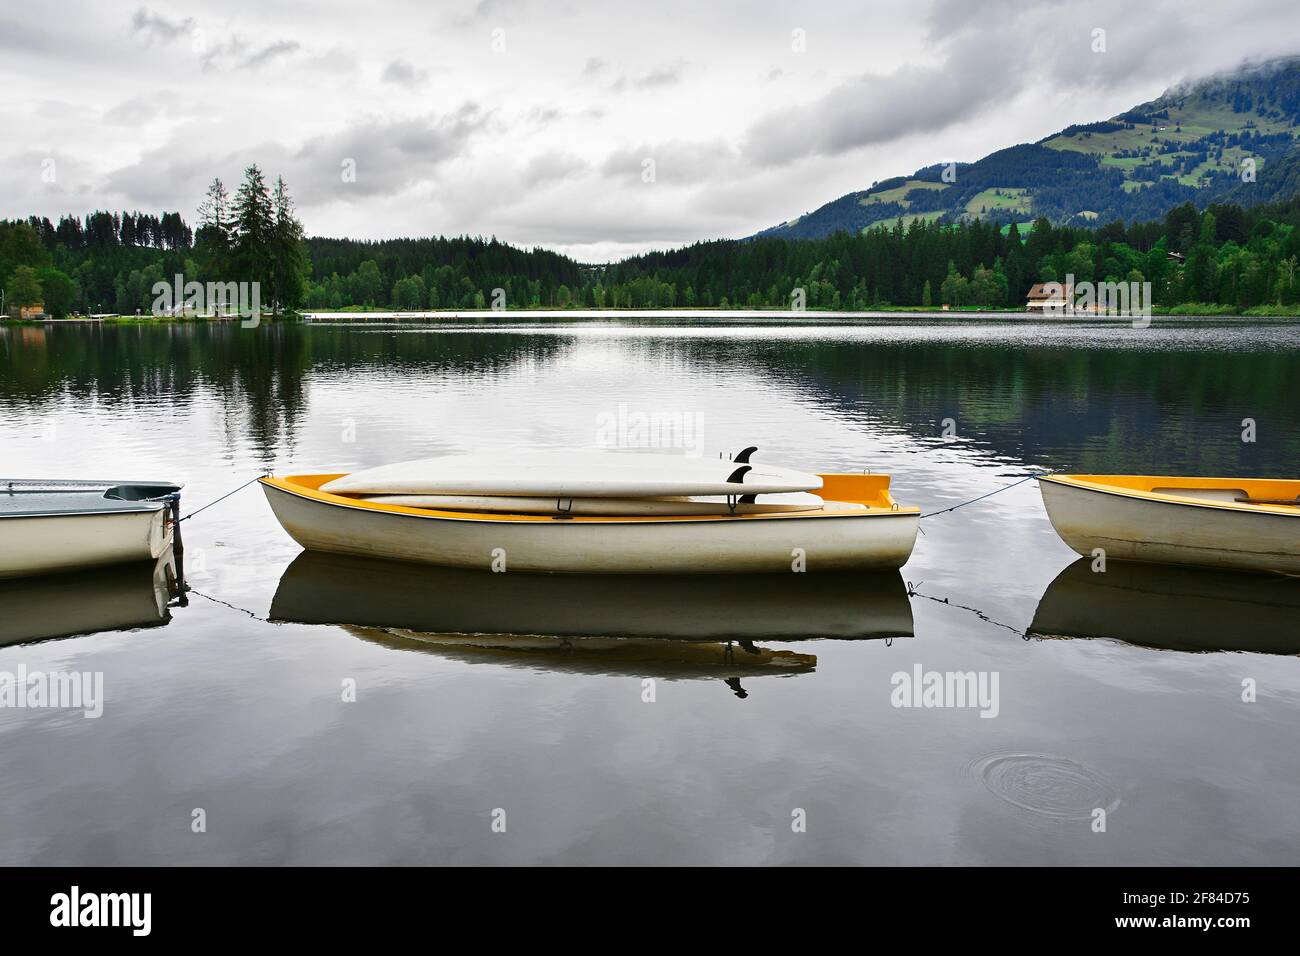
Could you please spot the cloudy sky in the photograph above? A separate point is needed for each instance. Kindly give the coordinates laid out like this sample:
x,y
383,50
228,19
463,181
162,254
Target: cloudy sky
x,y
599,129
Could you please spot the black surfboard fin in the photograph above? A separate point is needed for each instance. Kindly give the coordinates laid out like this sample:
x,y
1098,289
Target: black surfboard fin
x,y
743,457
738,475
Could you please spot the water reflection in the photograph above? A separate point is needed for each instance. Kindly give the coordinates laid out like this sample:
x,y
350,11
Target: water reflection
x,y
1168,401
663,658
257,378
87,602
322,588
671,626
1156,407
1172,608
227,709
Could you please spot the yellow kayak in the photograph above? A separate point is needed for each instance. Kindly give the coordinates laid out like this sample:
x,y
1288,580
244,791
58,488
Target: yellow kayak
x,y
1250,524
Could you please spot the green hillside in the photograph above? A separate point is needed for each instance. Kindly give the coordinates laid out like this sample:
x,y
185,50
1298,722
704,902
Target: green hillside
x,y
1195,143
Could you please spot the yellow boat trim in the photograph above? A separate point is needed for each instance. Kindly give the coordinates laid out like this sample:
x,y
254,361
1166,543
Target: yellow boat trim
x,y
869,490
1141,486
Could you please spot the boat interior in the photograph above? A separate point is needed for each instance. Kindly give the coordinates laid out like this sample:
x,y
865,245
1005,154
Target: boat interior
x,y
1270,493
841,493
29,498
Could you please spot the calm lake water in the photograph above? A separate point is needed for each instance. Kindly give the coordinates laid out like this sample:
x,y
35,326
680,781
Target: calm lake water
x,y
1121,692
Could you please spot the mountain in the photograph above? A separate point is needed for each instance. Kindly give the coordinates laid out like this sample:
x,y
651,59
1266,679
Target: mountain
x,y
1187,145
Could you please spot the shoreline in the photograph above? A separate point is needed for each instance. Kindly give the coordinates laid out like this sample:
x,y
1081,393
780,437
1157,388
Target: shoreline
x,y
810,316
768,315
128,320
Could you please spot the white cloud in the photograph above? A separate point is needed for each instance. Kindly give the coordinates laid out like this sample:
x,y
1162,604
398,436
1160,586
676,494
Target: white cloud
x,y
403,73
543,141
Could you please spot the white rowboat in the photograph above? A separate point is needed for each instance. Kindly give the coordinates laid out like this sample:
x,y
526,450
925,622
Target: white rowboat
x,y
1249,524
53,526
858,526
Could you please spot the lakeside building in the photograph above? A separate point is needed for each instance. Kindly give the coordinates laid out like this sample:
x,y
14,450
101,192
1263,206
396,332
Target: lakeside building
x,y
1044,301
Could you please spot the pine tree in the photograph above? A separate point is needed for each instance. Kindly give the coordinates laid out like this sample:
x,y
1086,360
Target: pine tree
x,y
289,254
252,258
212,241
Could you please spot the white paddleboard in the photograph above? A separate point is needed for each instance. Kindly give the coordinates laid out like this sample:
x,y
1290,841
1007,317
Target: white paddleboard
x,y
578,474
624,507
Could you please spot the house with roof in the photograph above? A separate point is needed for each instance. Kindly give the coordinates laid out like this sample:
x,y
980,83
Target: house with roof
x,y
1047,298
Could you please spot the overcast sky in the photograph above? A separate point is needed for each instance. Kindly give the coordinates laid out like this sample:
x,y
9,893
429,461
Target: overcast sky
x,y
537,121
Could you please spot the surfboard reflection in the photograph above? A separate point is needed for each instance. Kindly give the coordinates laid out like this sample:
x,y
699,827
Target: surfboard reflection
x,y
117,598
1172,608
673,626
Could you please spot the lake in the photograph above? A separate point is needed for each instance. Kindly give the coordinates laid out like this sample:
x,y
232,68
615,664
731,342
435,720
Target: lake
x,y
503,719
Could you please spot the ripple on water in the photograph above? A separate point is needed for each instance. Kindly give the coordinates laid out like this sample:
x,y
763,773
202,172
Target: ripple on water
x,y
1054,787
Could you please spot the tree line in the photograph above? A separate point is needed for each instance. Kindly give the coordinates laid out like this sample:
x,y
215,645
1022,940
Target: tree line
x,y
1227,257
1232,257
110,262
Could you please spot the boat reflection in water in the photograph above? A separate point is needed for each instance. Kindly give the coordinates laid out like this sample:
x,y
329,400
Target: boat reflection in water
x,y
117,598
1173,608
670,626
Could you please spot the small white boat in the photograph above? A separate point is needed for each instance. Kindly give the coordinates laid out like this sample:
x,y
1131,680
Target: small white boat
x,y
1249,524
858,525
53,526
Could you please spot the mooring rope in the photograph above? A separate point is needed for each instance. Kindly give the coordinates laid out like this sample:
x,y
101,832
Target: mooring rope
x,y
990,494
913,592
928,514
226,495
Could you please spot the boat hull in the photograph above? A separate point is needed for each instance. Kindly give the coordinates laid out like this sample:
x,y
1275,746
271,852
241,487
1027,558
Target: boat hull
x,y
45,544
818,541
1131,524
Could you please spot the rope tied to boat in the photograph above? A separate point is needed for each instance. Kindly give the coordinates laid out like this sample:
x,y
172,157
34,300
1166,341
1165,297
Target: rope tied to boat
x,y
258,477
928,514
989,494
